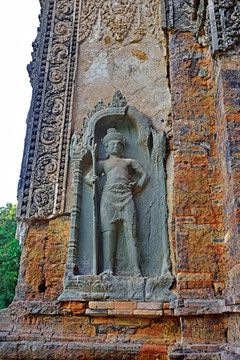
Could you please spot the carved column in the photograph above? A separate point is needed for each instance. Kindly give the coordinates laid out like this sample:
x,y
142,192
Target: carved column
x,y
75,217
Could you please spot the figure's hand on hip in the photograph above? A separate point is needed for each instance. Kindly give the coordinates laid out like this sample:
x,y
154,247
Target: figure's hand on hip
x,y
94,179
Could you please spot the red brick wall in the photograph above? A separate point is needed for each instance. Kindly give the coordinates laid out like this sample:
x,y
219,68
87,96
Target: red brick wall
x,y
43,258
198,178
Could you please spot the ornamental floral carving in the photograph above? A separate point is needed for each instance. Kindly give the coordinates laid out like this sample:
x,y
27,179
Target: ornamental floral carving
x,y
118,17
64,7
225,17
44,168
94,285
153,16
89,13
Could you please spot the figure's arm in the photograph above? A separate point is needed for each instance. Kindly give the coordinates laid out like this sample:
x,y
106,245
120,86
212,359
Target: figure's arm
x,y
90,178
144,176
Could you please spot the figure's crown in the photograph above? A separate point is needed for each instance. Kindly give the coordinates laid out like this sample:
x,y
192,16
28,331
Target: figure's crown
x,y
113,134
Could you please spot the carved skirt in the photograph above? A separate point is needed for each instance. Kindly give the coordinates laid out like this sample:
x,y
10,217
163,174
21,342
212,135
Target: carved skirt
x,y
117,205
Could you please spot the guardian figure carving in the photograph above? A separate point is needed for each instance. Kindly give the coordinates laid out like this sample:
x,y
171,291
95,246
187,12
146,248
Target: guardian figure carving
x,y
117,206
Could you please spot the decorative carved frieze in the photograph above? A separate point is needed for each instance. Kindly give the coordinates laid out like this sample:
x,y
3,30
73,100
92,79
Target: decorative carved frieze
x,y
223,23
43,174
213,21
216,22
88,17
119,17
153,16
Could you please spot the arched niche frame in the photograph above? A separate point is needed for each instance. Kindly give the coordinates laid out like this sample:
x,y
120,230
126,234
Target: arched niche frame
x,y
84,276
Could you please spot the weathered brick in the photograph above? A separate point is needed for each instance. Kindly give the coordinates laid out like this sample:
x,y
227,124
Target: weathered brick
x,y
132,321
166,305
102,320
96,312
149,305
101,304
147,312
168,312
120,312
199,284
125,305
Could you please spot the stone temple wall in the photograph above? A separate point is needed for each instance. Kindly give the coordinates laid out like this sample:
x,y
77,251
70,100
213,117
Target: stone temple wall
x,y
177,64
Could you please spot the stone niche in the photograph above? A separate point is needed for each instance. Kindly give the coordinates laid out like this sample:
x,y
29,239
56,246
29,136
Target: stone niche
x,y
86,276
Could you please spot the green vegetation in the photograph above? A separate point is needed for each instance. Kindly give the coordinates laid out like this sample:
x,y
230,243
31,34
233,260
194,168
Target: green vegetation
x,y
10,252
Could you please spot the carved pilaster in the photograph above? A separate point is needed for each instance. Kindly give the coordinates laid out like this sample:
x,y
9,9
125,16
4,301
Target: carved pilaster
x,y
75,217
43,175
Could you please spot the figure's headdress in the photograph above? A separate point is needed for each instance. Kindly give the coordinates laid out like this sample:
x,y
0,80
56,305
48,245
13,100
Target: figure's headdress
x,y
113,134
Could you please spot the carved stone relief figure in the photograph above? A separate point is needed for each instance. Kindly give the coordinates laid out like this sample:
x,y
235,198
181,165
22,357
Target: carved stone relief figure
x,y
117,204
118,246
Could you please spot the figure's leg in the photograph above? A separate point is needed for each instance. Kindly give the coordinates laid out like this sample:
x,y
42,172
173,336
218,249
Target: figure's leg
x,y
109,248
132,247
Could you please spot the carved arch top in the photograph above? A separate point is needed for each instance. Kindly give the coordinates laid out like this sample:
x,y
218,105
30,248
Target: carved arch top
x,y
118,109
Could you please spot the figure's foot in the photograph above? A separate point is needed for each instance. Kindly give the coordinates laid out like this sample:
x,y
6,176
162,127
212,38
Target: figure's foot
x,y
138,274
107,272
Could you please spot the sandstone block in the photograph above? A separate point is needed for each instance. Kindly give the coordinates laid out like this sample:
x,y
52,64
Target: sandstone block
x,y
125,305
149,305
101,304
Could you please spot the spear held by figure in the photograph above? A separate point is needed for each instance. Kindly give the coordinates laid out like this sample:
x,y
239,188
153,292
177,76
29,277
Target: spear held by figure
x,y
95,219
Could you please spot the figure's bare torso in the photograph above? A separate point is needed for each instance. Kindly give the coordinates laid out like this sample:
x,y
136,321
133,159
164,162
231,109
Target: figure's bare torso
x,y
117,170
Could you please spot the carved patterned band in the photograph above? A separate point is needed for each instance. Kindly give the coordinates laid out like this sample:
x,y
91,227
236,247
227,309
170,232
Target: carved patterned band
x,y
44,171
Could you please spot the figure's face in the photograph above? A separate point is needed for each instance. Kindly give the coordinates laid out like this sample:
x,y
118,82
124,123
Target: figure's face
x,y
114,147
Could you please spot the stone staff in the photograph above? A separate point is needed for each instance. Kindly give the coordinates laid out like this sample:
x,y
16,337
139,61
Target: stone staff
x,y
95,219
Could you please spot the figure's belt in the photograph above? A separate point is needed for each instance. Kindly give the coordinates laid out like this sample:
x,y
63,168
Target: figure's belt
x,y
117,187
